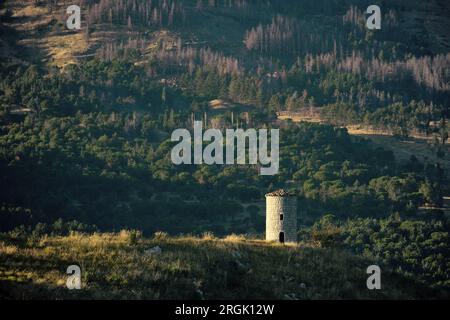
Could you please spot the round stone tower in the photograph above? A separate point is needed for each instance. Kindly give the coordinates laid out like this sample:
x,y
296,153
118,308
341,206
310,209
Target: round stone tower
x,y
281,216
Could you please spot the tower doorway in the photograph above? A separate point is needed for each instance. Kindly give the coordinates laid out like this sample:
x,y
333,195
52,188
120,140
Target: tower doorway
x,y
281,237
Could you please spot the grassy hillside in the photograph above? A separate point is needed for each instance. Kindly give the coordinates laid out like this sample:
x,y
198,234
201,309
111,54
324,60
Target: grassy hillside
x,y
119,266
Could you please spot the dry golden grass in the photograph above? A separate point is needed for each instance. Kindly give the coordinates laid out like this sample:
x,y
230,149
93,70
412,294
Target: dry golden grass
x,y
300,118
63,48
34,23
30,11
30,17
234,238
50,41
120,265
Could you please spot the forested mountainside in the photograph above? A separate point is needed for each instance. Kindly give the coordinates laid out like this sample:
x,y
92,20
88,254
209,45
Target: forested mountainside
x,y
86,117
276,55
98,103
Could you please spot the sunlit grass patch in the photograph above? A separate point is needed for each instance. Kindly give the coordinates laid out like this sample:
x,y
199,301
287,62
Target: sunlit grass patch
x,y
63,48
30,10
126,265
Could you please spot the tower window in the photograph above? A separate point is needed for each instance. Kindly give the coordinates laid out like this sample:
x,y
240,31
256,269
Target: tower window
x,y
281,216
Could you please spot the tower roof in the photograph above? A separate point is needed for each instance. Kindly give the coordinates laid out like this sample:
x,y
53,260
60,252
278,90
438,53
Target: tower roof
x,y
280,193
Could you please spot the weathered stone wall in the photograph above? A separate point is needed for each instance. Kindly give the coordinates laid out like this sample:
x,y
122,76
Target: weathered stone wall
x,y
276,206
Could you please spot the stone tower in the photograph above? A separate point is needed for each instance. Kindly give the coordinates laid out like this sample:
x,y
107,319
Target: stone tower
x,y
281,216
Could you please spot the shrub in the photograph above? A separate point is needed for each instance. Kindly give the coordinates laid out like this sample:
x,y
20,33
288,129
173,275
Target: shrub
x,y
326,232
208,235
160,235
130,236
